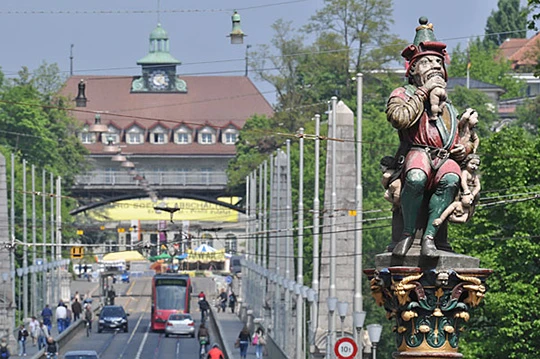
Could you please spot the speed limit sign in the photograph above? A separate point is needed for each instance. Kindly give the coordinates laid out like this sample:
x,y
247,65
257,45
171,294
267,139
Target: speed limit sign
x,y
345,348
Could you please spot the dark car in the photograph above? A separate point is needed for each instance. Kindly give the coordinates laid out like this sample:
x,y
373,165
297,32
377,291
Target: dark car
x,y
236,264
113,317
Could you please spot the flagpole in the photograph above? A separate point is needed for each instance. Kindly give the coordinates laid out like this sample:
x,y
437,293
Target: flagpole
x,y
468,62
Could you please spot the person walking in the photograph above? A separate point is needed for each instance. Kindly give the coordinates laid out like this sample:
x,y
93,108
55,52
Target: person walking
x,y
259,342
204,307
46,315
69,317
52,348
232,301
76,309
244,338
21,337
222,301
34,326
61,314
4,350
43,334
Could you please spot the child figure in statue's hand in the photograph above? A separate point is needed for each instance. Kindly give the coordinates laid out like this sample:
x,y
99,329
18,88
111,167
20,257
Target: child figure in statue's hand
x,y
457,212
461,211
466,129
391,182
437,100
470,181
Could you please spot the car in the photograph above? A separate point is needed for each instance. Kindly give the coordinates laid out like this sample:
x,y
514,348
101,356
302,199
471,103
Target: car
x,y
113,317
81,354
180,324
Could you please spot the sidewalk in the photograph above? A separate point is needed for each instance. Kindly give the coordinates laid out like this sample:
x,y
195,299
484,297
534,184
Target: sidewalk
x,y
81,286
230,325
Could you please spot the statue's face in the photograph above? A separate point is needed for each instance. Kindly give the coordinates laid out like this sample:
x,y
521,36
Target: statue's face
x,y
427,67
473,165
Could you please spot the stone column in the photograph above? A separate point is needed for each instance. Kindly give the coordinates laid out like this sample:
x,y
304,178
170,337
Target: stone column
x,y
344,228
7,307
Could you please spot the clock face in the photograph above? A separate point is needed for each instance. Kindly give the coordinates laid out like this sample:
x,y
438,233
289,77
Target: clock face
x,y
159,80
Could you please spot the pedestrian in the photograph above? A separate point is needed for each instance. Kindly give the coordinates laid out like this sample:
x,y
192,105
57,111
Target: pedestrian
x,y
204,307
232,301
52,348
4,350
244,338
201,295
76,308
222,301
43,335
21,337
61,314
69,317
46,315
33,326
259,342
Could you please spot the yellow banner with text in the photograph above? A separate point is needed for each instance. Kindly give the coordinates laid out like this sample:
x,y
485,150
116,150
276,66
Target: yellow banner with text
x,y
179,209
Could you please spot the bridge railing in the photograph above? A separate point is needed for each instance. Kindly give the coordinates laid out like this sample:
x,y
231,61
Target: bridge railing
x,y
157,178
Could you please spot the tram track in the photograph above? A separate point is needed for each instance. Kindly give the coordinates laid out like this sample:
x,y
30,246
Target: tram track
x,y
130,306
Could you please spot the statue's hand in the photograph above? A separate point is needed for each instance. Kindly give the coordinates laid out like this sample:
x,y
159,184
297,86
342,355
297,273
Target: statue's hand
x,y
458,152
435,81
437,222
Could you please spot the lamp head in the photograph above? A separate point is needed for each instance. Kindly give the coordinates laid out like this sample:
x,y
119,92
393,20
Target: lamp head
x,y
342,308
374,331
331,303
358,320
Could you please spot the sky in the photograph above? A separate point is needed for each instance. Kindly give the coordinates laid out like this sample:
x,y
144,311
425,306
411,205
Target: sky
x,y
109,36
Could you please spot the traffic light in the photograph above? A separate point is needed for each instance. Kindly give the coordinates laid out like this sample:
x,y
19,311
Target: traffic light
x,y
77,252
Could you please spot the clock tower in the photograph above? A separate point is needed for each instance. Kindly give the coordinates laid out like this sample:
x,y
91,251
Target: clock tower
x,y
158,67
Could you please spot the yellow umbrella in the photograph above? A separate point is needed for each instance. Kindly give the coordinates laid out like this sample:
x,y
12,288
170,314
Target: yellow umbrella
x,y
128,256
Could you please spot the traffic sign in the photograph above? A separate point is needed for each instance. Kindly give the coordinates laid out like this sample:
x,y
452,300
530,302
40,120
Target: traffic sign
x,y
228,279
345,348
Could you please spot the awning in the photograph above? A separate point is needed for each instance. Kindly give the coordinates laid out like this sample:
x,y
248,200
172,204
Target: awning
x,y
204,248
163,255
128,256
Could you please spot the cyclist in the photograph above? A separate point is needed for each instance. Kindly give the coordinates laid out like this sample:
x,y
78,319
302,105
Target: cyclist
x,y
215,353
88,316
204,338
51,349
204,307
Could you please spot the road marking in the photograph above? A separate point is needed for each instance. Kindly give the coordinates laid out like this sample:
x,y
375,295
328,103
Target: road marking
x,y
141,346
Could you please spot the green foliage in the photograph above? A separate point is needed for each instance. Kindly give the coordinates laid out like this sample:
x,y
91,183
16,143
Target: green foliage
x,y
504,234
508,21
463,98
486,66
255,142
528,114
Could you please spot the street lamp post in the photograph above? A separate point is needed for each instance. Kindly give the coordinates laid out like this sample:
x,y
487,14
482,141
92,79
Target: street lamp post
x,y
374,332
331,303
358,322
342,308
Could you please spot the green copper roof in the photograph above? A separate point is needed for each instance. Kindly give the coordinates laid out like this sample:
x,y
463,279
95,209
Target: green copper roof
x,y
159,33
159,49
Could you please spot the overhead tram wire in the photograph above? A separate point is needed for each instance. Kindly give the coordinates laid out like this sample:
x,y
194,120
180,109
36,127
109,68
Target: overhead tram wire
x,y
9,73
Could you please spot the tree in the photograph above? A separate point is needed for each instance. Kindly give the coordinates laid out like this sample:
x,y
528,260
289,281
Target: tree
x,y
485,65
363,28
504,234
508,21
528,114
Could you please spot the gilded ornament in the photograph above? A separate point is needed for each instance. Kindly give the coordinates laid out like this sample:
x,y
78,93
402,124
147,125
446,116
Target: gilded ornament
x,y
424,328
449,329
404,287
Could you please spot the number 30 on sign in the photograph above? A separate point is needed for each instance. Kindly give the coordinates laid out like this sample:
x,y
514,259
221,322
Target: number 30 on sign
x,y
345,348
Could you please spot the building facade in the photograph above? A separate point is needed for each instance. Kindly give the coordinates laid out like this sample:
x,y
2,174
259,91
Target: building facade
x,y
165,137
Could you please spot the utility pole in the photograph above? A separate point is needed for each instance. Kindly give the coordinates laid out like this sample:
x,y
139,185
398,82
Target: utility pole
x,y
71,60
247,59
358,251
